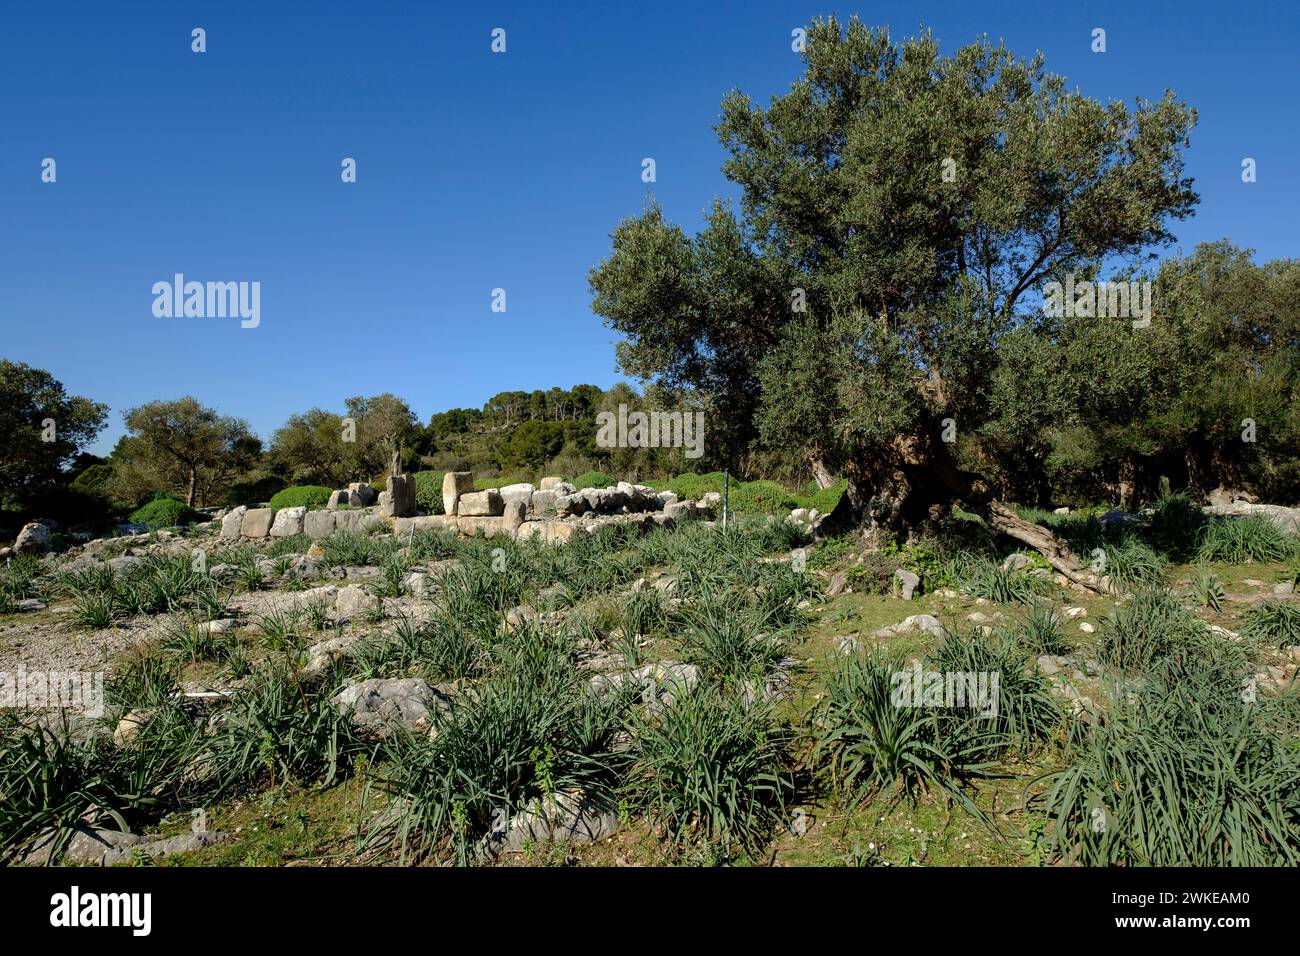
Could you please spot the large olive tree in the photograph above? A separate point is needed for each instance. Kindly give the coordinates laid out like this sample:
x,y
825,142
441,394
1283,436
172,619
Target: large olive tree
x,y
900,213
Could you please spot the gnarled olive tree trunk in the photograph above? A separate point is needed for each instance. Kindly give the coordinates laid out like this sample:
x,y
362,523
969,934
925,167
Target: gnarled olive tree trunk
x,y
912,481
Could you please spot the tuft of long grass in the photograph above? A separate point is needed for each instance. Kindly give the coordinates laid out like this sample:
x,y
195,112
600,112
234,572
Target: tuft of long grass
x,y
1151,626
1275,623
1183,774
871,745
529,731
1207,590
1237,540
983,577
713,771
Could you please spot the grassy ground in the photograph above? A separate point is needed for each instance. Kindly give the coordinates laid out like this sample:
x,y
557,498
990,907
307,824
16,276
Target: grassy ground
x,y
317,804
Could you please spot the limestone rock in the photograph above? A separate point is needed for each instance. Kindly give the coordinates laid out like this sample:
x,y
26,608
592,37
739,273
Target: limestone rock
x,y
34,538
481,504
256,523
455,484
232,522
906,583
288,522
377,707
318,524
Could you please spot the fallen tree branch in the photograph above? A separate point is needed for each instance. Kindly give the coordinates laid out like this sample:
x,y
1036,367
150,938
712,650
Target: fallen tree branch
x,y
1057,552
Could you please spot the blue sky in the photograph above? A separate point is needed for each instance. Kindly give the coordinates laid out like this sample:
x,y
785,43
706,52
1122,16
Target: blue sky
x,y
475,171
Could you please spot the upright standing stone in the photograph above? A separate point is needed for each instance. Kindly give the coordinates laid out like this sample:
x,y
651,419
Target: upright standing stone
x,y
455,484
516,512
231,522
399,500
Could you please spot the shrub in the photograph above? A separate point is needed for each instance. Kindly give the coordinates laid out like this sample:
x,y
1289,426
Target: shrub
x,y
875,575
593,479
311,497
428,491
165,513
1237,540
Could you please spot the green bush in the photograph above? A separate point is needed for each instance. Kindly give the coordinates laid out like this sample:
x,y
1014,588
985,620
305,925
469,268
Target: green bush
x,y
165,513
760,497
311,497
594,479
428,491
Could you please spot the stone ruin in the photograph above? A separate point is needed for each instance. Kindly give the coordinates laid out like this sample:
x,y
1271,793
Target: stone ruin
x,y
552,511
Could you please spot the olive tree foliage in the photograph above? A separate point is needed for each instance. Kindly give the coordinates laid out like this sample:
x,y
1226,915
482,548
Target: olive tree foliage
x,y
1099,409
900,213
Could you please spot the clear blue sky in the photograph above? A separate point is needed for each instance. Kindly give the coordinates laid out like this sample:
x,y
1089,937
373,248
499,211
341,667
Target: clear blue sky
x,y
475,171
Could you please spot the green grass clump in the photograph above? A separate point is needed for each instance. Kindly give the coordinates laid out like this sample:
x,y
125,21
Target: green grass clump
x,y
1131,563
529,731
1237,540
984,577
870,745
713,772
1274,623
1151,626
1207,589
1185,773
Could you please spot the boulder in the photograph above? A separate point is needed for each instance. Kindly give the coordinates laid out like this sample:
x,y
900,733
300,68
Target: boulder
x,y
318,524
288,522
481,504
338,499
378,707
516,513
542,502
231,523
1017,562
404,527
455,484
398,501
353,601
906,583
360,494
569,816
550,483
324,653
256,523
129,727
34,538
